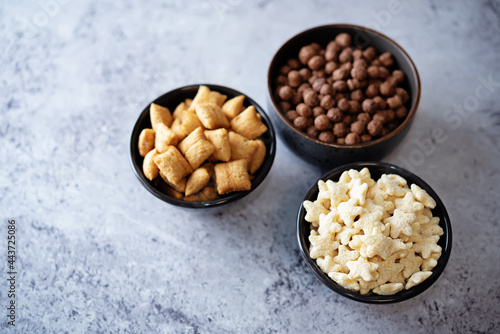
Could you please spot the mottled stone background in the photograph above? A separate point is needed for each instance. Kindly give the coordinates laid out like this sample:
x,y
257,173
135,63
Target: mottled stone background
x,y
98,253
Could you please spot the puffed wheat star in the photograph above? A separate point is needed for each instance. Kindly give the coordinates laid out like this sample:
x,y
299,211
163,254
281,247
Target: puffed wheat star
x,y
417,278
423,196
411,263
427,246
327,265
388,269
361,268
348,212
322,245
358,192
344,256
400,223
408,204
338,193
393,184
344,281
345,235
328,223
313,210
369,221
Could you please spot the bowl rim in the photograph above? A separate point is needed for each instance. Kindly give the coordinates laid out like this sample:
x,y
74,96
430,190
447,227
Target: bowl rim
x,y
228,198
377,299
411,112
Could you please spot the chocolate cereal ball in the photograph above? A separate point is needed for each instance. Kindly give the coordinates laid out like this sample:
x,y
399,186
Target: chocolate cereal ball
x,y
306,53
322,123
365,138
372,72
311,98
318,111
347,66
403,94
358,73
374,128
379,102
300,122
371,90
281,80
340,74
369,106
302,88
347,119
305,74
286,93
334,46
359,62
357,95
316,62
399,75
354,107
285,106
327,102
358,127
326,136
294,79
392,125
319,73
312,131
316,46
285,69
318,83
369,53
379,117
357,54
293,63
386,89
304,110
352,138
353,84
340,129
291,115
343,105
339,86
326,89
296,99
386,59
392,80
389,115
401,112
343,39
335,115
383,72
364,117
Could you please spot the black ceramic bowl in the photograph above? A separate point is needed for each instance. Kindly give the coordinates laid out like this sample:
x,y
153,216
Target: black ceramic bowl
x,y
330,155
171,100
376,170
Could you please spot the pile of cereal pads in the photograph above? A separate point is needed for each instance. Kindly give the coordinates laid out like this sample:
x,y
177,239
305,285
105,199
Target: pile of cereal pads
x,y
373,236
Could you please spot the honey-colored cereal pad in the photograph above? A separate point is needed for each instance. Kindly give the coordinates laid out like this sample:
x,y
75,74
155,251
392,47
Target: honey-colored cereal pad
x,y
183,146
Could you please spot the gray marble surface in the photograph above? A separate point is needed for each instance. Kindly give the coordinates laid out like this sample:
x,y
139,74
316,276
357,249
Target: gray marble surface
x,y
98,253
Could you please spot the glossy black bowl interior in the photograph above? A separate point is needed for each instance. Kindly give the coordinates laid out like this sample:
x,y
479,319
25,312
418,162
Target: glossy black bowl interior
x,y
376,170
329,155
170,100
